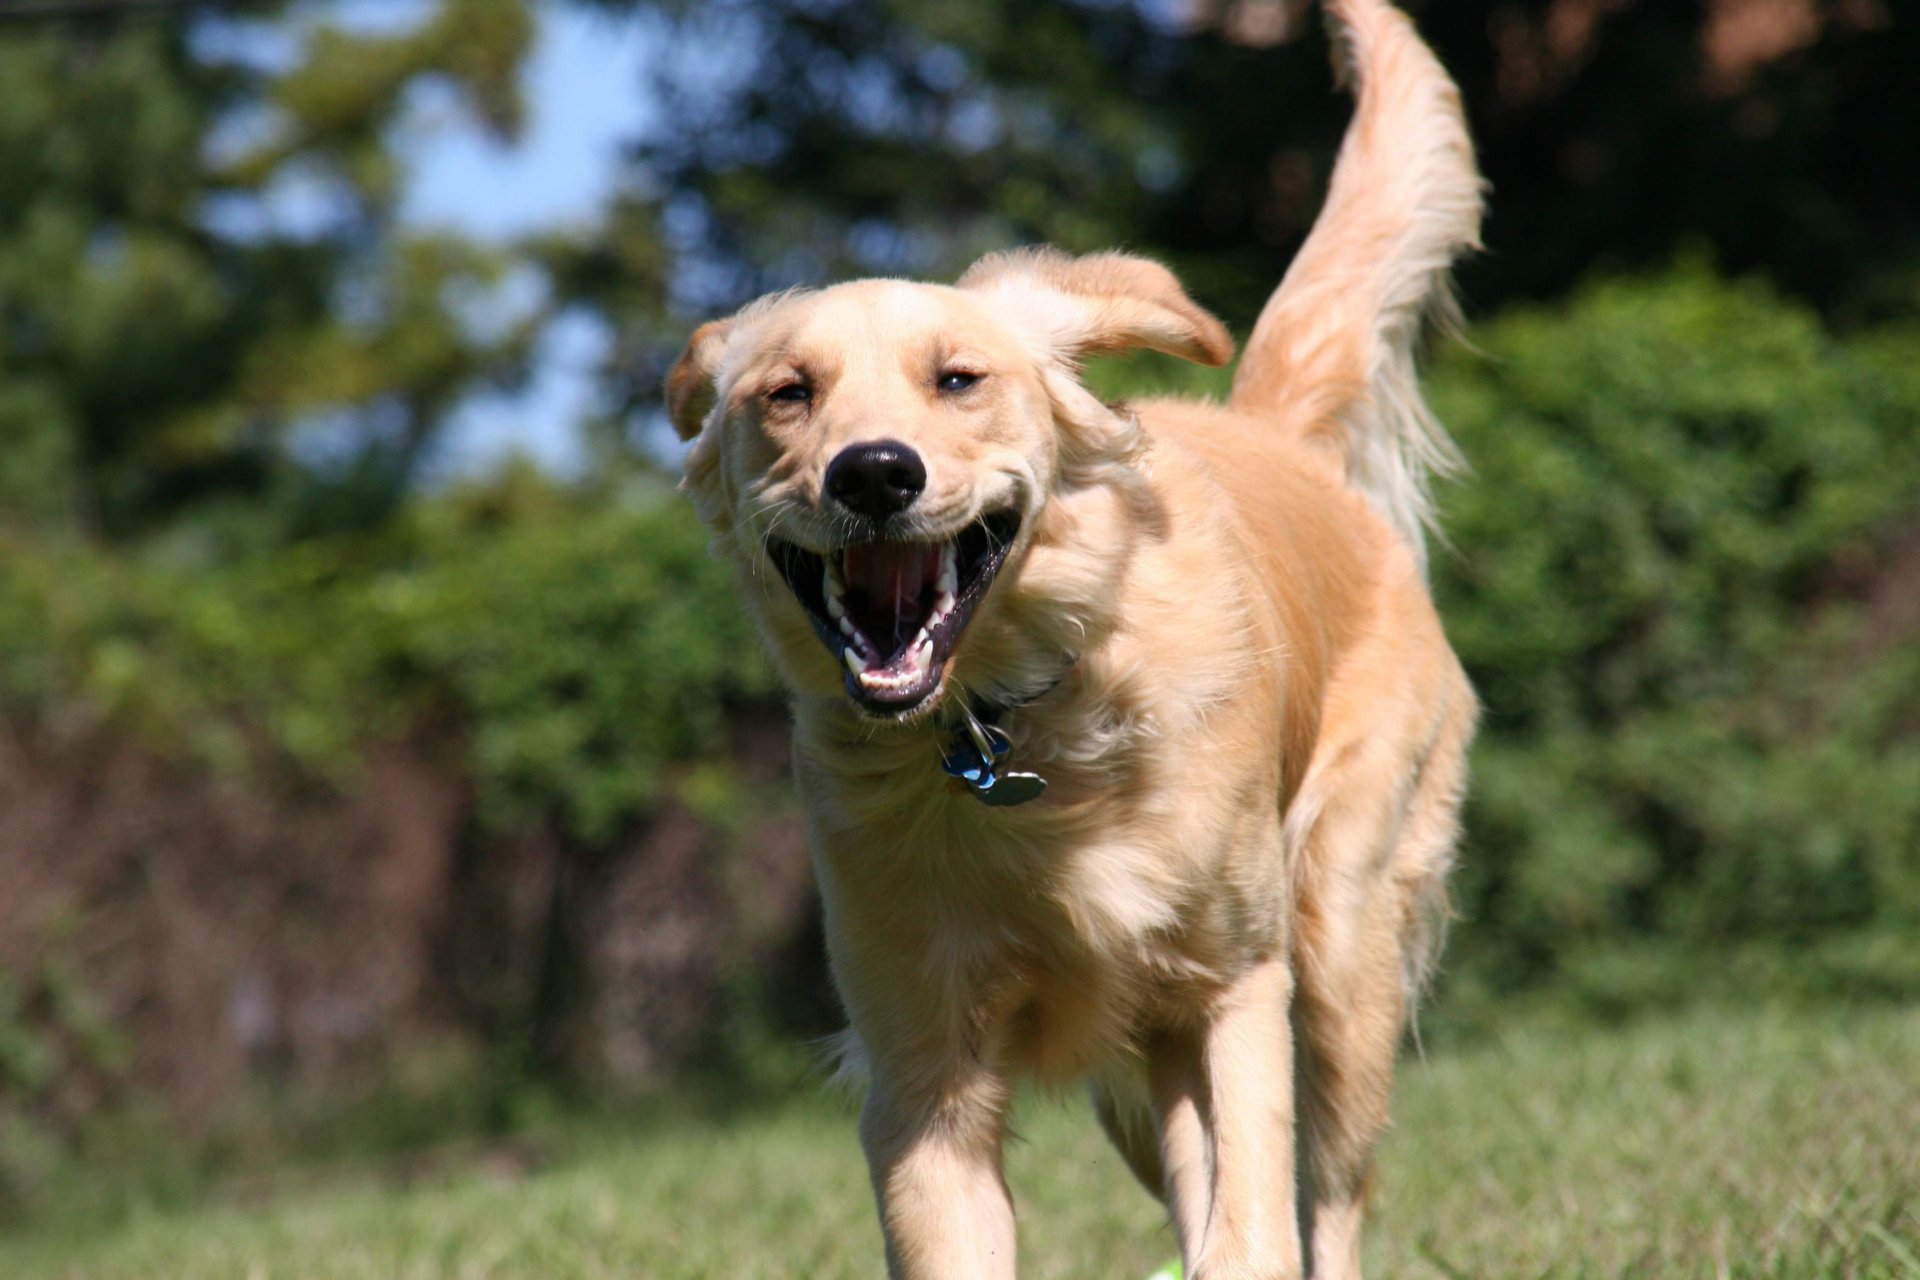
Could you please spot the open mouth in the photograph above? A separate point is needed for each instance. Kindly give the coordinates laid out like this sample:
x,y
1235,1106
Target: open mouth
x,y
891,612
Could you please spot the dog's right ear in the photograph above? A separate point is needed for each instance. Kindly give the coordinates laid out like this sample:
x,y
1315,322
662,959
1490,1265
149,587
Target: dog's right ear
x,y
690,383
1101,302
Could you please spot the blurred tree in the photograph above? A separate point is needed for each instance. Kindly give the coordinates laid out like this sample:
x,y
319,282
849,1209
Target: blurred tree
x,y
200,266
803,140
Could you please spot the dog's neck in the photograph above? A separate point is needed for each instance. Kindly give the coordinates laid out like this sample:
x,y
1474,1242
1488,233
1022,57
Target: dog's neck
x,y
978,753
992,711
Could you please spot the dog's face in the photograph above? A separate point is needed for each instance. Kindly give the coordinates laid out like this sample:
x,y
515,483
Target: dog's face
x,y
887,453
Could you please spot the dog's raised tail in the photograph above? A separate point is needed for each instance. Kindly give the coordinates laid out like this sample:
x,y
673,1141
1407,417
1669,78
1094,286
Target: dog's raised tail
x,y
1333,352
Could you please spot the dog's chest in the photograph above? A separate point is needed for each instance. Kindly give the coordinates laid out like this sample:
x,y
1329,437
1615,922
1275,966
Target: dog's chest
x,y
1060,928
1052,937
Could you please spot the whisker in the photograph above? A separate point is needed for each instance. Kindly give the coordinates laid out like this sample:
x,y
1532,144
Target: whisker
x,y
772,516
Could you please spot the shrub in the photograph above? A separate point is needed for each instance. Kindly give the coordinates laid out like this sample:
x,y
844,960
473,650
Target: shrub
x,y
1680,582
568,647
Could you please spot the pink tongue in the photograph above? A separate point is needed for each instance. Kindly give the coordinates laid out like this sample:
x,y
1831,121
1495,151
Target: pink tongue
x,y
893,574
885,584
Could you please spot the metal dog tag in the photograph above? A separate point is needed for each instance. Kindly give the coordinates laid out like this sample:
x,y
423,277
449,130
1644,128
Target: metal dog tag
x,y
973,755
1008,789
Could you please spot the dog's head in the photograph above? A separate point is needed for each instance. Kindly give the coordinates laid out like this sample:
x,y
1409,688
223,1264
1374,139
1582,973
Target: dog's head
x,y
896,457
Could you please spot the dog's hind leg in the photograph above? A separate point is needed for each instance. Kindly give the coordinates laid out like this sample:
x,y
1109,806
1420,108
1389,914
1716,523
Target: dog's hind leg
x,y
1349,1031
1125,1109
1368,923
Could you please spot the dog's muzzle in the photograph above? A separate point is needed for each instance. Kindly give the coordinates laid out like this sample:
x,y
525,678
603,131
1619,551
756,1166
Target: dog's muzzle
x,y
891,611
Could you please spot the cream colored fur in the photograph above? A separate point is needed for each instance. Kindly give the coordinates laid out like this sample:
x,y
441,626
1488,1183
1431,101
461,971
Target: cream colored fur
x,y
1219,910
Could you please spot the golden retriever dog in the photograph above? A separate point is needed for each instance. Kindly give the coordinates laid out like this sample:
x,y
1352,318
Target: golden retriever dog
x,y
1128,738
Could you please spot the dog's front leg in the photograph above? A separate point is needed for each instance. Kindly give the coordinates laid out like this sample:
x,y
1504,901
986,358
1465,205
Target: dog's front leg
x,y
1224,1094
935,1160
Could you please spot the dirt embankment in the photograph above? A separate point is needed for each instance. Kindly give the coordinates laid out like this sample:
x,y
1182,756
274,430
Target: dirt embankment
x,y
167,933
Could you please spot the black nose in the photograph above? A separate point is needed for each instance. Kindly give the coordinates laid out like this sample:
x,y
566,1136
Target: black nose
x,y
876,479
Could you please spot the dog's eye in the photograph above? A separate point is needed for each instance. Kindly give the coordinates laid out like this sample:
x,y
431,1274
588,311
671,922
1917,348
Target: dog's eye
x,y
956,380
791,393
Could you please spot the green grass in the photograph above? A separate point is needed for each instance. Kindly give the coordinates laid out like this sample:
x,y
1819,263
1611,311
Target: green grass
x,y
1751,1143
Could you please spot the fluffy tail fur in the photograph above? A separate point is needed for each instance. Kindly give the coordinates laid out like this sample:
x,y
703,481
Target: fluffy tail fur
x,y
1333,352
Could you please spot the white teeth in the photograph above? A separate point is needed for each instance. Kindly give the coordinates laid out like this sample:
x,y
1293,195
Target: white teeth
x,y
875,671
913,665
949,571
830,588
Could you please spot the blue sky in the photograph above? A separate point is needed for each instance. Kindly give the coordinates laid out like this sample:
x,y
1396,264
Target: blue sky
x,y
585,96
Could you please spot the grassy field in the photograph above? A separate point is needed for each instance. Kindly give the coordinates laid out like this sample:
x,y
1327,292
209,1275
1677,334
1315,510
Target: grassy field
x,y
1749,1143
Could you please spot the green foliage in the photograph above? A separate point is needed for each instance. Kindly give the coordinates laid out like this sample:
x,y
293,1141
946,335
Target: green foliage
x,y
576,650
587,654
1677,581
166,328
1139,375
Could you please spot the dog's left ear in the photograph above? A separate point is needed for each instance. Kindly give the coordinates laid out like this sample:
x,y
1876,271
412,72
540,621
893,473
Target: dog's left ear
x,y
1102,302
690,388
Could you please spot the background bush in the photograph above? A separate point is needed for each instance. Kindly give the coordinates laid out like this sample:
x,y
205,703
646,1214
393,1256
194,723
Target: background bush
x,y
572,643
1683,580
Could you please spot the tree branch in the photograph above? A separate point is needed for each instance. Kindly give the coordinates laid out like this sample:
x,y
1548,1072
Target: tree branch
x,y
23,11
